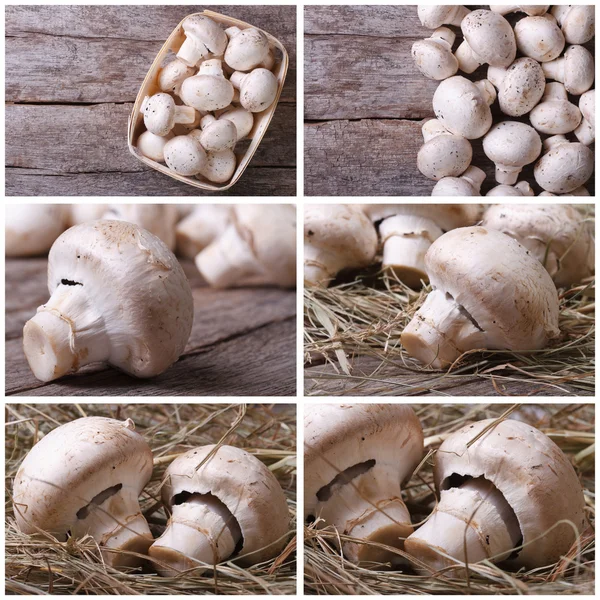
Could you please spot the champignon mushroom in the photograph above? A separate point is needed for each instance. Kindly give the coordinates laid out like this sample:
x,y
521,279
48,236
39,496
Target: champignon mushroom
x,y
531,10
220,166
434,16
258,89
356,457
185,155
336,237
172,75
80,213
85,478
258,247
225,504
580,191
433,56
118,296
511,145
201,227
586,132
577,21
242,119
555,234
539,38
565,166
520,87
152,146
519,189
488,292
468,184
555,114
203,37
217,134
526,496
208,90
247,48
463,107
161,114
575,69
489,38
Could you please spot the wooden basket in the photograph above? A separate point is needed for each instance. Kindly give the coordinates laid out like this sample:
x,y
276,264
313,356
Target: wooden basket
x,y
150,87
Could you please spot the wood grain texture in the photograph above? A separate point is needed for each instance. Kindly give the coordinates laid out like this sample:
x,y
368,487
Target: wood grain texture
x,y
243,342
72,75
365,102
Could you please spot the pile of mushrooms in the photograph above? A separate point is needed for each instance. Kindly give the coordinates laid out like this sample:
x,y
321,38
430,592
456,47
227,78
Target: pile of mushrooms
x,y
539,43
210,91
84,478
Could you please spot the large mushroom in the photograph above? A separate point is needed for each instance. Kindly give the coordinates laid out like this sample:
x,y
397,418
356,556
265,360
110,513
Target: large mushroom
x,y
30,229
203,37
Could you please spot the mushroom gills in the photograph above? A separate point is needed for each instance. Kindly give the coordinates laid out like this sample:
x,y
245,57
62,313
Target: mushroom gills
x,y
97,500
343,478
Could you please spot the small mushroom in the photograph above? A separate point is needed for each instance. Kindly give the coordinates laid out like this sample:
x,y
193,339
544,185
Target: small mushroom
x,y
463,107
488,292
443,154
565,166
555,114
208,90
507,493
531,10
434,16
539,38
586,132
336,237
468,184
220,165
225,504
247,48
433,56
242,119
203,37
575,69
161,114
172,75
85,478
519,189
201,227
217,134
577,21
185,155
152,146
511,145
258,89
356,457
258,247
489,38
520,87
118,296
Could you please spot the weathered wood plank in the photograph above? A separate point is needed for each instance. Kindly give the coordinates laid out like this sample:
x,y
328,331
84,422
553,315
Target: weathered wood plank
x,y
232,350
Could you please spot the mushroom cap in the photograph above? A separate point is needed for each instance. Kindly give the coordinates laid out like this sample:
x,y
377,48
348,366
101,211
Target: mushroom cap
x,y
258,90
152,146
206,33
219,135
247,49
521,189
579,70
507,292
159,113
564,168
433,16
522,87
578,22
242,119
219,166
539,38
512,143
555,115
445,216
245,485
202,226
445,155
529,9
434,58
461,108
72,465
340,436
534,476
137,286
185,155
207,92
172,75
490,37
587,106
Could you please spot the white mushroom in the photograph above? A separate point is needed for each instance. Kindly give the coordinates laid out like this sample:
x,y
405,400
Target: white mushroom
x,y
258,247
336,237
217,134
242,119
247,48
85,478
539,38
258,89
433,56
30,229
519,189
520,87
565,166
203,38
201,227
118,296
575,69
507,493
152,146
220,166
555,114
468,184
586,132
80,213
208,90
463,107
225,504
356,457
488,292
580,191
555,234
531,10
511,145
185,155
434,16
489,38
577,21
161,114
172,75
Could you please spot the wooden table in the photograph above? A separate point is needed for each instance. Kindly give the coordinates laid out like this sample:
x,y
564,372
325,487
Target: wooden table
x,y
72,75
243,343
365,102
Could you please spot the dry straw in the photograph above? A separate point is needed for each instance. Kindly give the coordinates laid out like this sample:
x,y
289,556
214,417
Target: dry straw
x,y
569,426
44,565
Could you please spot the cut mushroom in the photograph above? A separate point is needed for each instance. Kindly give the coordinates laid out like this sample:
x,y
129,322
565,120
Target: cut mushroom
x,y
152,146
208,90
433,56
577,21
575,69
247,48
356,458
161,114
204,225
468,184
488,292
539,38
555,114
172,75
85,478
507,493
217,134
434,16
586,132
225,504
203,37
185,155
520,189
118,296
258,89
531,10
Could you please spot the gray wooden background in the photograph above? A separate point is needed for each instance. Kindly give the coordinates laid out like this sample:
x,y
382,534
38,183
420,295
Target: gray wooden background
x,y
365,102
72,75
243,343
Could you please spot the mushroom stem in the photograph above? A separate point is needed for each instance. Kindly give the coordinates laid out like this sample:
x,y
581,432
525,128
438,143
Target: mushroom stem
x,y
320,266
200,530
441,331
471,523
